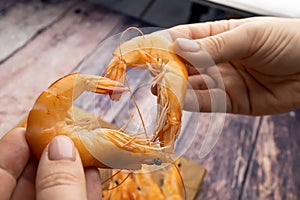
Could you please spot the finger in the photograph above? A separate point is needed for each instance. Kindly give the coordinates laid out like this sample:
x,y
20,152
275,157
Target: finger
x,y
60,173
25,188
202,30
192,70
227,46
213,100
192,53
93,184
14,154
201,82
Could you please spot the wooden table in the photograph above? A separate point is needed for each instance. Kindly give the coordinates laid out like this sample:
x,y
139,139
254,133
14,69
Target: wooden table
x,y
255,157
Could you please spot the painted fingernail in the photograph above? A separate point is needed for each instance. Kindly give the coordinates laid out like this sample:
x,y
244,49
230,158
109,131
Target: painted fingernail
x,y
187,45
61,148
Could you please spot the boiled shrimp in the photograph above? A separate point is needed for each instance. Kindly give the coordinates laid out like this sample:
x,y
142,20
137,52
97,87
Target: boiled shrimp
x,y
148,185
52,115
154,52
142,185
173,187
123,187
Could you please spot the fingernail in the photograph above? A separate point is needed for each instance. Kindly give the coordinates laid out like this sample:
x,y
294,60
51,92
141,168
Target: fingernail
x,y
61,148
187,45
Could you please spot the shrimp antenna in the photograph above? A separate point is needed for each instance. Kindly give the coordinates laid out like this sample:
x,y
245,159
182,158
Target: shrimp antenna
x,y
130,91
111,177
181,178
137,107
124,127
122,35
120,182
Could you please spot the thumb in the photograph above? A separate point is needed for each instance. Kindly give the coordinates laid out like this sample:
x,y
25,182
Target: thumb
x,y
206,52
60,173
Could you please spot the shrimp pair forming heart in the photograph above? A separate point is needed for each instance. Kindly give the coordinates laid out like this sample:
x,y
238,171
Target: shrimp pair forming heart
x,y
51,114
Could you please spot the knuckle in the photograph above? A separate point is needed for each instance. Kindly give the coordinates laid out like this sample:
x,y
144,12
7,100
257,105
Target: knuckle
x,y
218,42
57,179
216,46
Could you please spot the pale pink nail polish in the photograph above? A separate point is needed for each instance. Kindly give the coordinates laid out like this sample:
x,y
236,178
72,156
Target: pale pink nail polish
x,y
187,45
61,148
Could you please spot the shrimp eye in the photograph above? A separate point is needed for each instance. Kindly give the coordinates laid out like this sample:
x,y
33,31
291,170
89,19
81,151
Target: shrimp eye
x,y
157,161
138,188
179,164
116,182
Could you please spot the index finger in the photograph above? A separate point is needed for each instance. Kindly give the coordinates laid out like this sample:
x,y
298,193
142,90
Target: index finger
x,y
202,30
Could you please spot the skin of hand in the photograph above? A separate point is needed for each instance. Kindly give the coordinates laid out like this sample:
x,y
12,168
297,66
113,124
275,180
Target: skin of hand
x,y
257,60
58,175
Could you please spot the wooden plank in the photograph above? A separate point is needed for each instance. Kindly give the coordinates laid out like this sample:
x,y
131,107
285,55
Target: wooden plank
x,y
275,171
226,164
52,54
23,22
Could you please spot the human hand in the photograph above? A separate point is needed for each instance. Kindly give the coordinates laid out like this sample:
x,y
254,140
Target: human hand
x,y
58,175
258,59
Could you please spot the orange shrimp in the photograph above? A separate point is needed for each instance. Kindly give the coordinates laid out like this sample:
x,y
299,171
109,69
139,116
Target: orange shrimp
x,y
142,185
123,187
147,185
52,115
173,183
154,52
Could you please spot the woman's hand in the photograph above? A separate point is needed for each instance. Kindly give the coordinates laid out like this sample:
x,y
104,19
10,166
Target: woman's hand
x,y
258,59
58,175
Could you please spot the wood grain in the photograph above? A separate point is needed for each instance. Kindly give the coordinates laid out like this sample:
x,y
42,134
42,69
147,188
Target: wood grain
x,y
52,54
226,164
18,27
275,171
